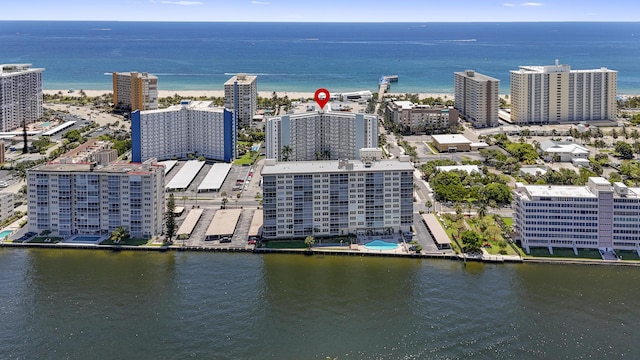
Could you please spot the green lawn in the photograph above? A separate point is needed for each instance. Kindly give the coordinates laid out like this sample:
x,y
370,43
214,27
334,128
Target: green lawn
x,y
130,242
285,244
41,239
566,253
508,221
628,254
246,159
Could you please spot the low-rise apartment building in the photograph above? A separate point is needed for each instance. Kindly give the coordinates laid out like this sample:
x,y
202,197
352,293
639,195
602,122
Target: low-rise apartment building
x,y
421,118
596,216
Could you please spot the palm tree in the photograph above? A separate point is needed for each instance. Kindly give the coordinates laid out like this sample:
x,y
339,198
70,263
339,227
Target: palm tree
x,y
309,241
482,209
428,204
286,152
119,235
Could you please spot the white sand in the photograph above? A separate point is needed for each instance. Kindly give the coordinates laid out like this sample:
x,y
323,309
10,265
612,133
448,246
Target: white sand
x,y
220,93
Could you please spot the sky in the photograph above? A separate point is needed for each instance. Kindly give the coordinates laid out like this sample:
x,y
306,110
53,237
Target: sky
x,y
323,10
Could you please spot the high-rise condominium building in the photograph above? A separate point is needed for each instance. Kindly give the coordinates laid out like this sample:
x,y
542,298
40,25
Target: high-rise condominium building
x,y
421,118
193,127
596,216
331,198
241,96
135,91
6,205
20,95
320,135
477,98
554,94
82,198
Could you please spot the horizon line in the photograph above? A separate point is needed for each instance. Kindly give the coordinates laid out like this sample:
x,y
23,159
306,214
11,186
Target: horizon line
x,y
325,22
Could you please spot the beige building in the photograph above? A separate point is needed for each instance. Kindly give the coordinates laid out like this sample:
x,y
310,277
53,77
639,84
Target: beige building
x,y
421,118
2,152
555,94
20,95
93,150
135,91
241,97
451,143
6,205
477,98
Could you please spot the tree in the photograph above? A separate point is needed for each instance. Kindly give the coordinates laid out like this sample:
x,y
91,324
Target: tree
x,y
624,150
286,152
119,235
471,241
170,219
225,201
428,204
309,241
482,209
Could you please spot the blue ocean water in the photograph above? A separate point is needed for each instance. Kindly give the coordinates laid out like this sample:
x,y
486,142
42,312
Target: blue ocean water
x,y
306,56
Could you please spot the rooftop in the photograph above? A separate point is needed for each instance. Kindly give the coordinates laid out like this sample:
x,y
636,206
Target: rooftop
x,y
13,69
471,74
451,139
468,168
116,167
332,166
241,79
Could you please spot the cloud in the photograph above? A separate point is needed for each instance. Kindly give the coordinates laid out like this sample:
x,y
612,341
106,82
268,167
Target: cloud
x,y
254,2
509,4
183,3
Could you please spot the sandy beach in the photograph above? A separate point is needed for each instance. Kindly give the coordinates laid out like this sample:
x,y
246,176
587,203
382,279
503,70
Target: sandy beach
x,y
220,93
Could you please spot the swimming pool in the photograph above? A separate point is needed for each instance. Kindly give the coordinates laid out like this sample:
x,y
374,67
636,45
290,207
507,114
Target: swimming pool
x,y
5,233
381,245
45,124
85,239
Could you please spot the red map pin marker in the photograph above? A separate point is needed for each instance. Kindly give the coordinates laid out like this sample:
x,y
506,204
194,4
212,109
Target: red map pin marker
x,y
322,101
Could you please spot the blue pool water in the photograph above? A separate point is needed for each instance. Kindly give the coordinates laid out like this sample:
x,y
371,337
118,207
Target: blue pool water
x,y
5,233
85,238
381,245
45,124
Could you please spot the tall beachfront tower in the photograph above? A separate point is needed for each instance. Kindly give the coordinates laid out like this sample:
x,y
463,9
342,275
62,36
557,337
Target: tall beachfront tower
x,y
336,198
193,127
320,135
554,94
477,98
135,91
241,96
20,95
596,216
84,198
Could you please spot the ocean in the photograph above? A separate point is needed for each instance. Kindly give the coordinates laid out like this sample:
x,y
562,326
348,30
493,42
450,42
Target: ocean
x,y
307,56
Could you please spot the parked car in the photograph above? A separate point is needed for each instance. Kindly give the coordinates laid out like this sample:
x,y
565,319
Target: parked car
x,y
251,242
225,240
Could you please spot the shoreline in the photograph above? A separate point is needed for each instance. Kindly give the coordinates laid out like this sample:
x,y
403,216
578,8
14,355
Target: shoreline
x,y
324,252
220,93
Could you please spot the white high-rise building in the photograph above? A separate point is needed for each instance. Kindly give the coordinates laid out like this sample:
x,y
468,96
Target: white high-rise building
x,y
135,91
193,127
241,96
596,216
83,198
477,98
20,95
320,136
333,198
554,94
